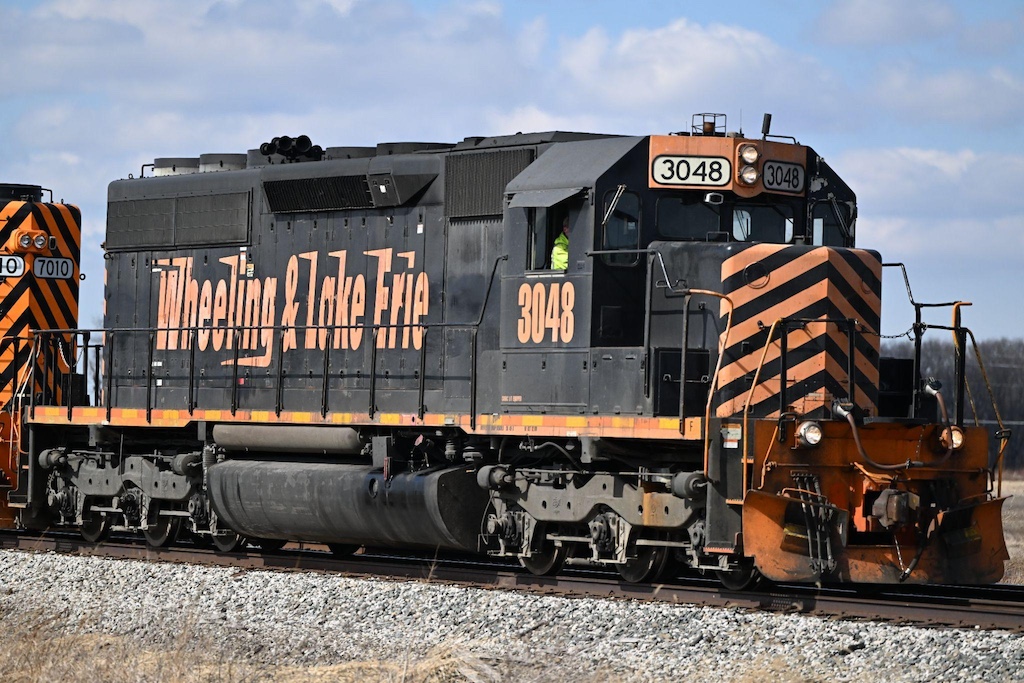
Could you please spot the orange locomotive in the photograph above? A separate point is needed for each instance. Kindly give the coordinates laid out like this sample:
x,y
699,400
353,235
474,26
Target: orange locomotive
x,y
376,347
39,254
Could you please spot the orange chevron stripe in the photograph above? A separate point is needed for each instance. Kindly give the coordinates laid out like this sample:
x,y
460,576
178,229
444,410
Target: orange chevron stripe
x,y
769,388
9,209
869,260
16,310
747,328
842,268
748,363
736,264
821,360
865,368
779,277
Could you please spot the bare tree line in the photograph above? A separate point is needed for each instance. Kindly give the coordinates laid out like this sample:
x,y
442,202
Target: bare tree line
x,y
1003,361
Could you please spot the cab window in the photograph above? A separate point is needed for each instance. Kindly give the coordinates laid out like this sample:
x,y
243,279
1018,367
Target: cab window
x,y
541,237
832,224
622,229
766,223
687,218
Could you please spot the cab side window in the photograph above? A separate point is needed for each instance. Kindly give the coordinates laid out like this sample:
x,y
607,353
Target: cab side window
x,y
540,238
622,229
832,225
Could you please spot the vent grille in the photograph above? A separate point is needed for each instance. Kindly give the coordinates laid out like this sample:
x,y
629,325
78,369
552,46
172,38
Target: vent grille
x,y
474,184
318,194
178,222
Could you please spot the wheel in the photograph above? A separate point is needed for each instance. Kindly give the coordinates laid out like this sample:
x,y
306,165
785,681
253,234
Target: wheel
x,y
161,530
744,577
95,526
648,565
269,544
224,539
343,549
547,560
227,541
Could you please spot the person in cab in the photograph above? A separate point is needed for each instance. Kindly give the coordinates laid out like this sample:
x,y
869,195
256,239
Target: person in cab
x,y
560,251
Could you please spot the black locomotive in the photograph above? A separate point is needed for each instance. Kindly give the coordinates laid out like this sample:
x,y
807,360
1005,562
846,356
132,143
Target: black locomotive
x,y
623,351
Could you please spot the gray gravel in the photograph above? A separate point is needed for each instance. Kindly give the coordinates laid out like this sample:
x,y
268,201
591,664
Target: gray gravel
x,y
316,619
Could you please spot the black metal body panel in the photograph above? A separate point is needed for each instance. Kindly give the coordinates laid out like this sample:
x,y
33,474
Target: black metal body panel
x,y
402,281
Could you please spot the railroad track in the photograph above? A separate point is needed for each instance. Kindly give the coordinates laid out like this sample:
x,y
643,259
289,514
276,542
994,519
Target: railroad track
x,y
998,607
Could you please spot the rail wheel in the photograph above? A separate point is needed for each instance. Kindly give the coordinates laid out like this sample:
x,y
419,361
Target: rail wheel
x,y
744,577
648,565
95,526
160,530
227,541
547,559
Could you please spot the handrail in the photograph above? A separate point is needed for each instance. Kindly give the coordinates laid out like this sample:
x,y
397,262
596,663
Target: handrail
x,y
750,395
40,340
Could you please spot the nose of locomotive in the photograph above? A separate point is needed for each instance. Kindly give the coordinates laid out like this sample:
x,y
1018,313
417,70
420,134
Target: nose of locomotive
x,y
805,322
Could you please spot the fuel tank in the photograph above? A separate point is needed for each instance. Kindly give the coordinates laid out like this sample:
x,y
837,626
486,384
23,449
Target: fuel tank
x,y
348,503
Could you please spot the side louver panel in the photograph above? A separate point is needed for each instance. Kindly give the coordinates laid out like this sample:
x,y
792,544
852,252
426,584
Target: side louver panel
x,y
769,283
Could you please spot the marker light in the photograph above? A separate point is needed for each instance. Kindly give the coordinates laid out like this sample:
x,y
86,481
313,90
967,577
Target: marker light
x,y
748,176
808,434
749,154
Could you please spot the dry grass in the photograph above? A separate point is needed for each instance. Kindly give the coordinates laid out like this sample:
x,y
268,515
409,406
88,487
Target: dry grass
x,y
1013,527
35,649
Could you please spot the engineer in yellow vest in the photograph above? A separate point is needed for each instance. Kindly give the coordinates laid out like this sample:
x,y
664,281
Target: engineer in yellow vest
x,y
560,252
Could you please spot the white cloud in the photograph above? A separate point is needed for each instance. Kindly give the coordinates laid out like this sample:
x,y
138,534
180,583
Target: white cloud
x,y
976,98
685,63
530,118
881,22
935,183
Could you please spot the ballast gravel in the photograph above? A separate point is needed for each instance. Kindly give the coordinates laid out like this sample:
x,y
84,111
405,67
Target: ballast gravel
x,y
312,619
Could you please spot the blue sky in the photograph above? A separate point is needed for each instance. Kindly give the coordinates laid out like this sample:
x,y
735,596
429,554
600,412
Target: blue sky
x,y
917,103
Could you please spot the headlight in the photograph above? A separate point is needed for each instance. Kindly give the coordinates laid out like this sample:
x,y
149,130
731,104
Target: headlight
x,y
749,154
748,176
39,241
25,241
952,434
808,434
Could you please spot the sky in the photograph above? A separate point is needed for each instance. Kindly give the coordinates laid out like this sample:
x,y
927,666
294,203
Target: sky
x,y
918,104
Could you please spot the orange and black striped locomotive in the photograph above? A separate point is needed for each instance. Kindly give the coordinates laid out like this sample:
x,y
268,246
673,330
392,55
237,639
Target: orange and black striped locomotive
x,y
640,353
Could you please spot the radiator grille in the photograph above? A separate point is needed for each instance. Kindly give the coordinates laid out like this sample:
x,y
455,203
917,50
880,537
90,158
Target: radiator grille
x,y
318,194
474,184
178,221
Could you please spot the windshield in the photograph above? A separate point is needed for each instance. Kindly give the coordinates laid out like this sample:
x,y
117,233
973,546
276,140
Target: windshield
x,y
710,217
772,223
687,218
